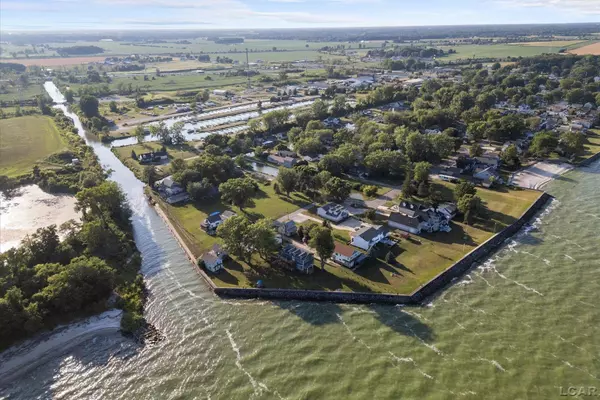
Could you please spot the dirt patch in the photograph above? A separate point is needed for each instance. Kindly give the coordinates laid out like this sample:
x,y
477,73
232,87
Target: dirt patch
x,y
593,49
55,61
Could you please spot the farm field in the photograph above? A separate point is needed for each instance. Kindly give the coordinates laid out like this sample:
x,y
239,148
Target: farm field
x,y
497,51
553,43
25,141
55,61
593,49
29,92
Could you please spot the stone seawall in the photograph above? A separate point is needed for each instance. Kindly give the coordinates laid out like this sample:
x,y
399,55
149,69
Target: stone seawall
x,y
313,295
478,254
590,160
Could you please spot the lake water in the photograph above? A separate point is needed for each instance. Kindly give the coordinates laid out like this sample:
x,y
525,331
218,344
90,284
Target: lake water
x,y
521,325
30,209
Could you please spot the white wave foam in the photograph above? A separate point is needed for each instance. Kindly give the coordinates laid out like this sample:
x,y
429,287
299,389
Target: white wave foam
x,y
494,363
411,361
258,387
352,333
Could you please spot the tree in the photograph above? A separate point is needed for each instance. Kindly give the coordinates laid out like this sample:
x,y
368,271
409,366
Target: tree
x,y
423,189
262,238
442,145
88,105
319,109
288,179
234,232
105,201
322,241
408,190
113,106
463,189
543,143
69,96
139,134
418,147
337,189
150,175
421,171
572,142
470,206
370,190
510,157
475,150
237,191
177,165
200,190
331,163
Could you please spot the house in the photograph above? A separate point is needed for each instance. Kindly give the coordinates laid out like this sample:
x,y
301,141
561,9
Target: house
x,y
213,259
286,153
488,176
287,228
414,224
332,122
450,174
288,162
489,159
215,219
153,156
448,209
368,236
346,255
415,218
171,191
333,212
304,260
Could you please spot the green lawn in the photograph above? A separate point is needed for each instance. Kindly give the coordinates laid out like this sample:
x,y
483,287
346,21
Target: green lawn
x,y
592,146
266,203
416,260
175,151
26,141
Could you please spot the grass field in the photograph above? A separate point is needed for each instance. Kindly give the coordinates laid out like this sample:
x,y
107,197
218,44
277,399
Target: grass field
x,y
553,43
187,218
175,151
498,51
25,141
29,92
592,146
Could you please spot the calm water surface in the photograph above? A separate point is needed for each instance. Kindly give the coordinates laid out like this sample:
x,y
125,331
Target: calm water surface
x,y
521,325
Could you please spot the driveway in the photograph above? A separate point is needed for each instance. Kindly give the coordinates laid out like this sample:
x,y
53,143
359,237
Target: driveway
x,y
381,200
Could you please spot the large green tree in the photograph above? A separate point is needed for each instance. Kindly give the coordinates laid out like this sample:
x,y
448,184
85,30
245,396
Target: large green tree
x,y
322,241
238,191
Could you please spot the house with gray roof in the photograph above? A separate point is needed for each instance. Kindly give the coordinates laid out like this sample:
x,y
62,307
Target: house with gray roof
x,y
368,236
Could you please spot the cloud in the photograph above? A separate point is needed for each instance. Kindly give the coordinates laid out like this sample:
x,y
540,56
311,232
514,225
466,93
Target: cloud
x,y
589,7
161,22
19,6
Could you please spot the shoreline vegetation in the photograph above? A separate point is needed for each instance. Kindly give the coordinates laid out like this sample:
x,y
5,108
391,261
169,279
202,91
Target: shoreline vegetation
x,y
45,281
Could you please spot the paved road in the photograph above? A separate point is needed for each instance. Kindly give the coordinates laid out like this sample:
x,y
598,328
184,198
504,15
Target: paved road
x,y
381,200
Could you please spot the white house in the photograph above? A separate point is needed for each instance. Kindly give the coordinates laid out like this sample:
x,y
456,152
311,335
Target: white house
x,y
346,255
415,218
215,219
287,162
487,176
448,209
333,212
368,236
406,223
489,159
213,260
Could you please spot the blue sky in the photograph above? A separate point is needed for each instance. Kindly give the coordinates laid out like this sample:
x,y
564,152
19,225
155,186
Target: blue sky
x,y
219,14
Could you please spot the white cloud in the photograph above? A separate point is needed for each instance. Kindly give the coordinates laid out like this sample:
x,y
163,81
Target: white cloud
x,y
590,7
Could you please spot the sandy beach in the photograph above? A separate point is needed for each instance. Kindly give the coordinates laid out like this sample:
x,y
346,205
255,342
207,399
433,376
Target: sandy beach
x,y
540,173
22,358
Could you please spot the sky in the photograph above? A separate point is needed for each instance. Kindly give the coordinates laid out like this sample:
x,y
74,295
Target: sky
x,y
243,14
